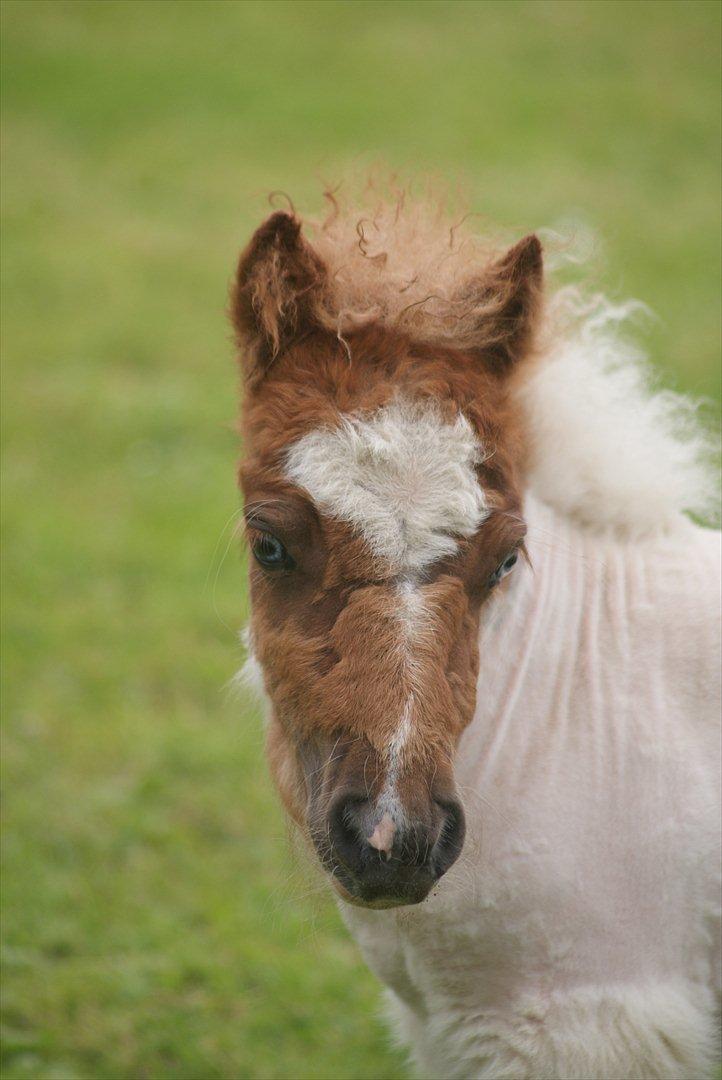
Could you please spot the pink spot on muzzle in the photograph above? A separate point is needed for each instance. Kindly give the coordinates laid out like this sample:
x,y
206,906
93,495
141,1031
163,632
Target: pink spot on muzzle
x,y
382,838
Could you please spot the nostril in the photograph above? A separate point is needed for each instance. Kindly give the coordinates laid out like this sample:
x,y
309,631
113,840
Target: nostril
x,y
451,837
344,829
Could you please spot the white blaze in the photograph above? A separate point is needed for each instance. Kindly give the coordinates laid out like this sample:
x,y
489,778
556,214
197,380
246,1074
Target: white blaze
x,y
404,477
412,615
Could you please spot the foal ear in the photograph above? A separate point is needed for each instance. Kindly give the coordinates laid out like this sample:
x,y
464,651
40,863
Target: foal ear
x,y
278,288
509,301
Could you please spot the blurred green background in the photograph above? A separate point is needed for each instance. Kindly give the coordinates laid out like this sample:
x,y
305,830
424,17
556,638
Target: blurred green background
x,y
156,923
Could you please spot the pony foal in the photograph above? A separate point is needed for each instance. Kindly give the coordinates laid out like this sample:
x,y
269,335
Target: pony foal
x,y
488,637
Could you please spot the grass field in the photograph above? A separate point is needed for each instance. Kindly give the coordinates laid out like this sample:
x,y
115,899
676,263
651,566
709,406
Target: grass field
x,y
155,924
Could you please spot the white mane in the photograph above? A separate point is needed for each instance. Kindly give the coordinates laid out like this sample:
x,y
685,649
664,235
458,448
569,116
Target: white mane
x,y
608,447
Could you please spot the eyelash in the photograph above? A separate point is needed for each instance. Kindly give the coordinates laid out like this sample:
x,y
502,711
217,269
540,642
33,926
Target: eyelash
x,y
270,553
504,568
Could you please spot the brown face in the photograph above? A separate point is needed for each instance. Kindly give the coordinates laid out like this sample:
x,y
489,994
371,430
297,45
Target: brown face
x,y
381,511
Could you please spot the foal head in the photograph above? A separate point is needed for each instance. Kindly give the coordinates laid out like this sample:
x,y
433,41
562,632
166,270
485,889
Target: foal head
x,y
382,508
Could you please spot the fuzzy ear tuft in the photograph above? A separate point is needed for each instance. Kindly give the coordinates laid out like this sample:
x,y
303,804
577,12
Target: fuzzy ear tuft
x,y
510,295
279,286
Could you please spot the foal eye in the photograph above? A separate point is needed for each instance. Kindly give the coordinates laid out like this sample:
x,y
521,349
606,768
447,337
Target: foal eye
x,y
270,553
503,569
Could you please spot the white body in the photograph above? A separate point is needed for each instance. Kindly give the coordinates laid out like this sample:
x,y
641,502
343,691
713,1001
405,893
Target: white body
x,y
578,934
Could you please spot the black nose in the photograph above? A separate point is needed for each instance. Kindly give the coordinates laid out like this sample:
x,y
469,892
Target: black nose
x,y
380,856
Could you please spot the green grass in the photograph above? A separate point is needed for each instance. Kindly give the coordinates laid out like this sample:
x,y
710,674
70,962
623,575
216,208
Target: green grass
x,y
155,923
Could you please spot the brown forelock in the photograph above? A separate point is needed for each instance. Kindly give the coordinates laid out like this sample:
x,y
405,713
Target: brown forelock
x,y
327,634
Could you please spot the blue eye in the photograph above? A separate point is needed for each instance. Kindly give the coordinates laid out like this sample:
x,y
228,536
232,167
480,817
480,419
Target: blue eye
x,y
503,569
270,553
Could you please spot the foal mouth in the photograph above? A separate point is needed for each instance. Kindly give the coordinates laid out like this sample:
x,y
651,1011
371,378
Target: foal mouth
x,y
378,905
352,894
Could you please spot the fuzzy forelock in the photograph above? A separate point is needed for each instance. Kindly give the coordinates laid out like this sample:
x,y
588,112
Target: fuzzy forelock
x,y
606,447
405,261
